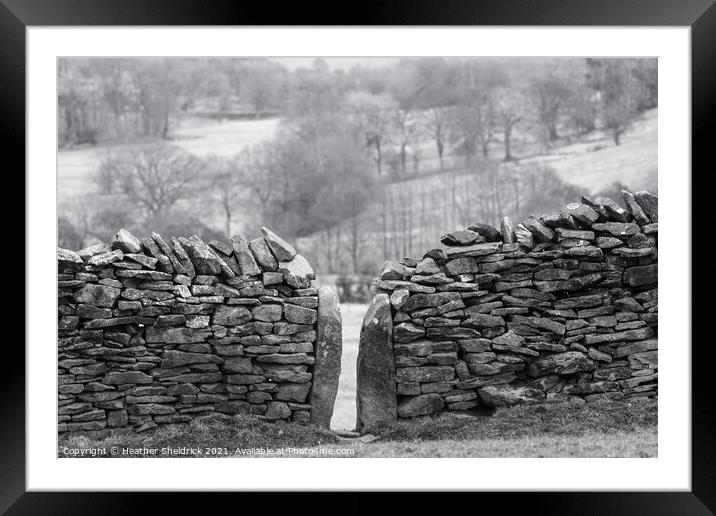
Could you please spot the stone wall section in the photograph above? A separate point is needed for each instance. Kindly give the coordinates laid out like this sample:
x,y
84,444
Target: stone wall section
x,y
559,307
159,331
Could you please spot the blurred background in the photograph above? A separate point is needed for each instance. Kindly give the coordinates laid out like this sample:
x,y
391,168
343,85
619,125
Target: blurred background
x,y
356,160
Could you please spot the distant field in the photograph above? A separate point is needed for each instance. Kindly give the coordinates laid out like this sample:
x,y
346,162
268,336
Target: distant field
x,y
594,163
198,136
597,163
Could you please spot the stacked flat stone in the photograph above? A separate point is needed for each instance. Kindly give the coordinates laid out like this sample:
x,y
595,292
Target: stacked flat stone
x,y
154,332
559,307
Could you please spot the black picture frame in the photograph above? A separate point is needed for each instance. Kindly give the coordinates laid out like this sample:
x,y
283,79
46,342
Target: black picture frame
x,y
699,15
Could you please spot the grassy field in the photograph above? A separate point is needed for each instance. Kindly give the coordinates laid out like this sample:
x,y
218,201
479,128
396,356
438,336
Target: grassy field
x,y
602,429
597,163
639,444
593,163
198,136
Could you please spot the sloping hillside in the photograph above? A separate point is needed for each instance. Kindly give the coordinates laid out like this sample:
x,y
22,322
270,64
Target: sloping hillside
x,y
409,216
595,163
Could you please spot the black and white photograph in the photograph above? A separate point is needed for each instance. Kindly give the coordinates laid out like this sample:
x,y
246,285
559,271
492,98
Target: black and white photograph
x,y
357,257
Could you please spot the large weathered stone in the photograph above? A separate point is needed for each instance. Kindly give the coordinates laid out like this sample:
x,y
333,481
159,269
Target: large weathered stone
x,y
393,271
267,313
559,220
262,253
231,315
126,242
642,275
327,368
540,231
204,259
376,397
125,377
67,259
299,314
286,373
583,214
421,405
619,336
483,321
173,358
237,365
507,230
164,264
602,213
524,236
506,395
104,259
490,233
244,256
282,250
293,392
297,272
425,374
183,258
427,266
407,331
459,238
417,301
482,249
568,362
277,410
89,252
102,296
465,265
615,211
649,203
640,217
287,358
167,250
172,335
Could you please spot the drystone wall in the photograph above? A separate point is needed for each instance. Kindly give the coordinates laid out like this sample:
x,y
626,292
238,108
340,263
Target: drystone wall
x,y
155,332
560,307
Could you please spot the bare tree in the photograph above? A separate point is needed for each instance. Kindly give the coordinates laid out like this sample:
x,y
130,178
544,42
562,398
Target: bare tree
x,y
511,108
370,115
406,130
475,123
436,123
155,177
222,180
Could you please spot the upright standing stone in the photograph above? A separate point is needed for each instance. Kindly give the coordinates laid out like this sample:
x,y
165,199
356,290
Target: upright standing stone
x,y
639,216
263,254
176,264
649,203
327,368
508,231
524,237
152,249
183,258
243,254
376,396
